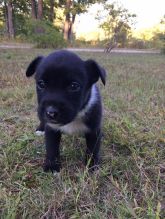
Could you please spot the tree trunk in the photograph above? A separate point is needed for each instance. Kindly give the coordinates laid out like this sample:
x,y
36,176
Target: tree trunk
x,y
66,27
33,9
67,20
51,12
6,20
70,31
10,19
40,9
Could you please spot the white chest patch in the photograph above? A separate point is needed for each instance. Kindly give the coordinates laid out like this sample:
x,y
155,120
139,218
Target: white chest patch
x,y
75,127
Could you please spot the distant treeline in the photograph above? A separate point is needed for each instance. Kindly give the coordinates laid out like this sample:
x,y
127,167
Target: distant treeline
x,y
49,23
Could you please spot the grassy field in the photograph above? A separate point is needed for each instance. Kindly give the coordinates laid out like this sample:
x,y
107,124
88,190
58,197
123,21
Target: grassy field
x,y
131,180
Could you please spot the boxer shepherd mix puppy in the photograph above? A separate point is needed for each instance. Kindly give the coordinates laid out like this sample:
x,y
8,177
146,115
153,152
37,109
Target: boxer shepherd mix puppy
x,y
68,102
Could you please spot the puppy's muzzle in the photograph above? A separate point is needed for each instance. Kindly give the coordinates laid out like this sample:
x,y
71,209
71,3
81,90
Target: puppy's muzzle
x,y
52,112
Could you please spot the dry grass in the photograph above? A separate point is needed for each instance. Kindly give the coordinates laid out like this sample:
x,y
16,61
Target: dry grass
x,y
131,180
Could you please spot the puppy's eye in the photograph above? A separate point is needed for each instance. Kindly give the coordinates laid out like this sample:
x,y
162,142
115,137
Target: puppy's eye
x,y
41,84
74,86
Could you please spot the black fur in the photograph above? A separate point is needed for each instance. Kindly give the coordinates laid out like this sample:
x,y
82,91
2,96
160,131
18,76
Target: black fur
x,y
68,98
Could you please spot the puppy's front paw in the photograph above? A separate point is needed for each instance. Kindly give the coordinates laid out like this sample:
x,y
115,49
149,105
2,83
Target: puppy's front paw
x,y
39,133
51,166
40,130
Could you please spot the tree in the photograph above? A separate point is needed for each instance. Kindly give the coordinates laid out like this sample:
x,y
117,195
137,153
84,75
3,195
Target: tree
x,y
17,13
71,9
5,16
21,13
40,10
33,9
51,15
116,23
46,9
9,19
67,19
159,36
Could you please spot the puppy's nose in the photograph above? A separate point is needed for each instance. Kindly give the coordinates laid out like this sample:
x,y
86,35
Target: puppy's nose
x,y
51,112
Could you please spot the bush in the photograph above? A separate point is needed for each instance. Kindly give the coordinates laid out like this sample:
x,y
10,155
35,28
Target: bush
x,y
162,38
137,44
43,34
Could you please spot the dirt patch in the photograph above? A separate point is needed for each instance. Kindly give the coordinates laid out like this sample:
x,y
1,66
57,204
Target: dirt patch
x,y
116,50
16,46
140,51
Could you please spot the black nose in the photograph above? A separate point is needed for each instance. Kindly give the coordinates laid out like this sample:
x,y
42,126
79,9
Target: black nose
x,y
51,112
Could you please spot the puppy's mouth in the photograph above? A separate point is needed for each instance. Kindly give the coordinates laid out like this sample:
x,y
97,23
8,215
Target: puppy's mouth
x,y
57,122
57,116
52,121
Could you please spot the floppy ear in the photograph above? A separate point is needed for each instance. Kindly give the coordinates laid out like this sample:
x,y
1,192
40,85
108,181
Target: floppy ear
x,y
95,71
33,66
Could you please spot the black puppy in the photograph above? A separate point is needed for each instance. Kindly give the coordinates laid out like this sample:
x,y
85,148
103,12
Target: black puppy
x,y
68,102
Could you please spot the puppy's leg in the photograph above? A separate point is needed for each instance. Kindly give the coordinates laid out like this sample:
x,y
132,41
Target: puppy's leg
x,y
40,129
93,140
52,140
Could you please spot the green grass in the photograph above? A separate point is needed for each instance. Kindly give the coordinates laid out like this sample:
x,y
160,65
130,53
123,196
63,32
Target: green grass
x,y
131,180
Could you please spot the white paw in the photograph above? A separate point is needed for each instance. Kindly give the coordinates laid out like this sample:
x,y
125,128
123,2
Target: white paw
x,y
56,174
40,133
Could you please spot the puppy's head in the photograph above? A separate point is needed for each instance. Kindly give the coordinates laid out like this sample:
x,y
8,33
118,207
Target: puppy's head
x,y
63,84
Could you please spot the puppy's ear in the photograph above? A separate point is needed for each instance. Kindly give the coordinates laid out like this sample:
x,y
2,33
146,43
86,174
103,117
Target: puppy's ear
x,y
33,66
95,71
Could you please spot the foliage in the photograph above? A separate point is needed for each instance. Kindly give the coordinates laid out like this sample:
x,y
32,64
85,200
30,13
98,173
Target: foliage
x,y
163,48
43,34
116,23
77,7
159,40
22,10
2,30
71,10
160,37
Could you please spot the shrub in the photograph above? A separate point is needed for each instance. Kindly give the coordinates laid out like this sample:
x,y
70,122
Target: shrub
x,y
163,43
160,38
44,34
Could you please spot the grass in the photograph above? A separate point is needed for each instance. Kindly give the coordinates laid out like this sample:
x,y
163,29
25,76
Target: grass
x,y
131,180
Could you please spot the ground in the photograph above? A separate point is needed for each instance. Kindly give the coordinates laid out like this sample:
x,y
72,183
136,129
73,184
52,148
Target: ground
x,y
131,179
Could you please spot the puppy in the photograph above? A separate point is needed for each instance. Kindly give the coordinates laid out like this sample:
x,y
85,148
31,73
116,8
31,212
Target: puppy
x,y
68,102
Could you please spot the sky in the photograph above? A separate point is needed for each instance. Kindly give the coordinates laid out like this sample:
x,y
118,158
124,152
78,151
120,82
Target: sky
x,y
149,14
